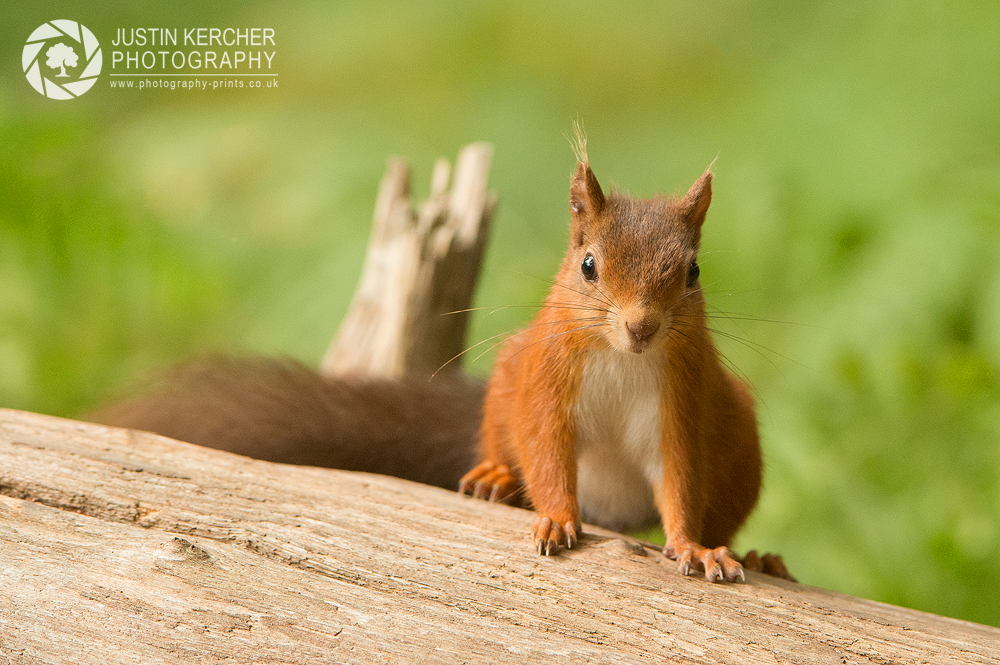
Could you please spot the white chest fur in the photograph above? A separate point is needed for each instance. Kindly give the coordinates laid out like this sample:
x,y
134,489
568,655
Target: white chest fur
x,y
617,418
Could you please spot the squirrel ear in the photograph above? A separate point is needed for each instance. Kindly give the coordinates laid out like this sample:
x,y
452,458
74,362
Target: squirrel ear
x,y
695,202
585,198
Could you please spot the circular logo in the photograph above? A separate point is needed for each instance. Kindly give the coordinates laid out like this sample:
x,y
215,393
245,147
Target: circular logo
x,y
61,59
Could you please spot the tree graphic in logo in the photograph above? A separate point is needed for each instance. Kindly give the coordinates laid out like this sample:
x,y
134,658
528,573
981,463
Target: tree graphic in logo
x,y
60,57
61,45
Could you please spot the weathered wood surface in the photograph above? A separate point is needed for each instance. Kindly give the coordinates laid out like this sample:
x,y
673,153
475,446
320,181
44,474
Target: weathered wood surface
x,y
125,547
410,311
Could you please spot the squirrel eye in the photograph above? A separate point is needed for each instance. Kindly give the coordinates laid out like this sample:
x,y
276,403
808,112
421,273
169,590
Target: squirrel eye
x,y
589,268
693,272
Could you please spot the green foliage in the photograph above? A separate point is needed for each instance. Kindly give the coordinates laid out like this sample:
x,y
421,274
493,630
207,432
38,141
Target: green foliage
x,y
853,246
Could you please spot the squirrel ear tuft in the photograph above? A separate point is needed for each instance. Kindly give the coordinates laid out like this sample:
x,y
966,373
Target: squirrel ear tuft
x,y
696,201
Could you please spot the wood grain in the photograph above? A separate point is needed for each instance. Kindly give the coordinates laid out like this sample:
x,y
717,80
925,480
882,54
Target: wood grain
x,y
124,547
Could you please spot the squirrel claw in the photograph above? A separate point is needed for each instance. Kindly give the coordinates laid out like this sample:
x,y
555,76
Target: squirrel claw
x,y
571,537
713,571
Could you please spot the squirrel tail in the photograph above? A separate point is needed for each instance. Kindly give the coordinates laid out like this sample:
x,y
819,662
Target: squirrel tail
x,y
282,411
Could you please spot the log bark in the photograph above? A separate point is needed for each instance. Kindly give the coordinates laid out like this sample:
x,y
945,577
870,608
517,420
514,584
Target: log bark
x,y
410,311
119,546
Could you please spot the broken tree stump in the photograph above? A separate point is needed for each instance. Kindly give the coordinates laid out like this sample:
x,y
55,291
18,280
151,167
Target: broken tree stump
x,y
410,311
119,546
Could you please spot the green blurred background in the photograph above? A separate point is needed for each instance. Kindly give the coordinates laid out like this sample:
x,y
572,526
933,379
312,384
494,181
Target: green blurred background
x,y
856,215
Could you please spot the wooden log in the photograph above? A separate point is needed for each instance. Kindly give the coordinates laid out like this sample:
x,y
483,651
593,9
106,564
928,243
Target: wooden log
x,y
118,546
409,313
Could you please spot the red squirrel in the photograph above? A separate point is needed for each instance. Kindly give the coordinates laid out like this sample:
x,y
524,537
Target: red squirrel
x,y
613,406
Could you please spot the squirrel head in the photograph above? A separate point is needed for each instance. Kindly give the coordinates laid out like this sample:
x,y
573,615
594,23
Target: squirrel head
x,y
635,260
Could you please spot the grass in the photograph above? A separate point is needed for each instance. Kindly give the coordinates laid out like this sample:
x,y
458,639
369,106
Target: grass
x,y
856,217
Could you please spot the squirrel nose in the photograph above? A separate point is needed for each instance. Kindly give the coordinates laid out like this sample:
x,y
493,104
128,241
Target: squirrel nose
x,y
643,329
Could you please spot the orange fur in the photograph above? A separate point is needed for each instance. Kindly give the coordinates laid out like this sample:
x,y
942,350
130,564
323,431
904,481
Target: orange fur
x,y
637,326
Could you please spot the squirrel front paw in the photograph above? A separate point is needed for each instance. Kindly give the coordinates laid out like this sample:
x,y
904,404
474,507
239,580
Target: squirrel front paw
x,y
718,564
549,535
490,481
